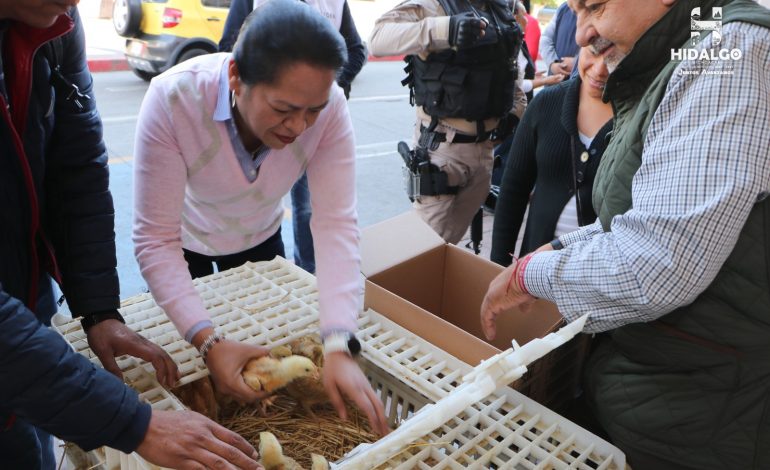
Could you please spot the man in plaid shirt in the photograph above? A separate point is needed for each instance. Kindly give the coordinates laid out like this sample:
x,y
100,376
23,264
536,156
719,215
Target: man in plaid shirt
x,y
678,264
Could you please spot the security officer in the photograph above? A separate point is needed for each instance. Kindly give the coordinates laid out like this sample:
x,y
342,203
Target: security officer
x,y
461,70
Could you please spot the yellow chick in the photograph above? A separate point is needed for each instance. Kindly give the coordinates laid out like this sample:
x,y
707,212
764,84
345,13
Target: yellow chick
x,y
308,391
271,454
309,346
279,352
319,462
269,374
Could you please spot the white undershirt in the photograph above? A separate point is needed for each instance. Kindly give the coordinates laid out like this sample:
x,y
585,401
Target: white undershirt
x,y
568,220
525,85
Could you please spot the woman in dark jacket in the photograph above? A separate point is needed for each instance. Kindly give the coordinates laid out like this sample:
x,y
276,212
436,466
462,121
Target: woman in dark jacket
x,y
57,221
556,151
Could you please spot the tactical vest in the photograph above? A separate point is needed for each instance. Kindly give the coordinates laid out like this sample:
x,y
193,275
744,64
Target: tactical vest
x,y
474,83
693,386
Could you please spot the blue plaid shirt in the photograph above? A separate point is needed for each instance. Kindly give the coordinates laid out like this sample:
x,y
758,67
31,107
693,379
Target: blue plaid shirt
x,y
705,164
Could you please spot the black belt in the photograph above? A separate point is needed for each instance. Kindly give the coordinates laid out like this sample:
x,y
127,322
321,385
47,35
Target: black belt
x,y
459,138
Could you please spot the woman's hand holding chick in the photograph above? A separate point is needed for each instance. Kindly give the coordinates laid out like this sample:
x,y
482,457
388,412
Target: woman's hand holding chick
x,y
225,360
343,377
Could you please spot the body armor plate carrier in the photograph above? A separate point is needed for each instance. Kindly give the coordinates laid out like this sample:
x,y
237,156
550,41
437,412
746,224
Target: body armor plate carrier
x,y
475,83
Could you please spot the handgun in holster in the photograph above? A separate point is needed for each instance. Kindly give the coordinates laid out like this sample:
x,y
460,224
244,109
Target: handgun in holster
x,y
421,177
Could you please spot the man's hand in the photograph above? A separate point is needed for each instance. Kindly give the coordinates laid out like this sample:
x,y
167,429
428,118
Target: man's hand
x,y
567,65
226,360
188,440
562,66
540,80
465,29
504,292
111,338
343,377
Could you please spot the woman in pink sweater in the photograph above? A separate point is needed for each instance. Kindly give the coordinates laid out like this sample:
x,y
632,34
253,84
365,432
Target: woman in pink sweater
x,y
220,140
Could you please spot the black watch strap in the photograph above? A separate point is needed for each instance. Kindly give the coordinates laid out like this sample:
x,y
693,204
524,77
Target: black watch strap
x,y
556,244
342,341
92,319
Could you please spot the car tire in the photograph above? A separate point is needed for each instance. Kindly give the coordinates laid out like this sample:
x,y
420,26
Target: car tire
x,y
127,17
190,53
144,75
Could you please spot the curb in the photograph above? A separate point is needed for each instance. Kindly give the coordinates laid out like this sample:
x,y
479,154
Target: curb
x,y
109,64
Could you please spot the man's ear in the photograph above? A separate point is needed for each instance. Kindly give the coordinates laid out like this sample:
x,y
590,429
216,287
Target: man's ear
x,y
233,77
668,3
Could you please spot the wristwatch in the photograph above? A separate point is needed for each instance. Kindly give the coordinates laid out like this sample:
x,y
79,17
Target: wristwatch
x,y
556,244
342,341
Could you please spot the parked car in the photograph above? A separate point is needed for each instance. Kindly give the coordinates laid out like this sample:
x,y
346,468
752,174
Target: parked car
x,y
162,33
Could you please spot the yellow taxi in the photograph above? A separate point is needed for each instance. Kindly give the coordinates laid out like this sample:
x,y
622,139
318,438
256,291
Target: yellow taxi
x,y
162,33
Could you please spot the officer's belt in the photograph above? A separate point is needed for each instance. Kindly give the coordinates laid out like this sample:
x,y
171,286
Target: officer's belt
x,y
459,138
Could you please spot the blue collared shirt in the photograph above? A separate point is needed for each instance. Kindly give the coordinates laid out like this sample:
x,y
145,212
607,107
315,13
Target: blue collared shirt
x,y
224,113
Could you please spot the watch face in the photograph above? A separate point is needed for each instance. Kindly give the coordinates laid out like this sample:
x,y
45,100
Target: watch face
x,y
354,346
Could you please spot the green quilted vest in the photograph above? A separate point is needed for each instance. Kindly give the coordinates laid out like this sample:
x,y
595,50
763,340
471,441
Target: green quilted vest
x,y
694,386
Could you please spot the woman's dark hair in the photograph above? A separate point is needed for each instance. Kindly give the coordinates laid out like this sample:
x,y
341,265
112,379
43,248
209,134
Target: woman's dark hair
x,y
283,32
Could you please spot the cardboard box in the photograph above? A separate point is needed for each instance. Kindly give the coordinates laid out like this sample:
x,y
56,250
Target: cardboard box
x,y
404,257
429,327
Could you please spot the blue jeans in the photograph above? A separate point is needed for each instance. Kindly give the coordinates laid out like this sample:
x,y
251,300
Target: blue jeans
x,y
502,150
25,447
304,254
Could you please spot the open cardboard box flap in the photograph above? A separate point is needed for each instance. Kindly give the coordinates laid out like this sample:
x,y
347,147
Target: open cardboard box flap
x,y
404,256
394,241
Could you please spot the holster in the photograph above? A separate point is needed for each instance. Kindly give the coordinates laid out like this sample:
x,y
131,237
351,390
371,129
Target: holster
x,y
421,177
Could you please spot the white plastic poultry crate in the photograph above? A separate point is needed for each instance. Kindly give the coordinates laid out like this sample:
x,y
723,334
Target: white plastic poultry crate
x,y
271,303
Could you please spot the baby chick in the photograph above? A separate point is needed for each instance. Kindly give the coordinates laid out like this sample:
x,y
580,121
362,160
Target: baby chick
x,y
271,454
279,352
200,396
269,374
309,346
308,391
319,462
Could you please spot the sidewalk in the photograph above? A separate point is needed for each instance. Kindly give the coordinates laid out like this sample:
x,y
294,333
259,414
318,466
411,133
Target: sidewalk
x,y
104,48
